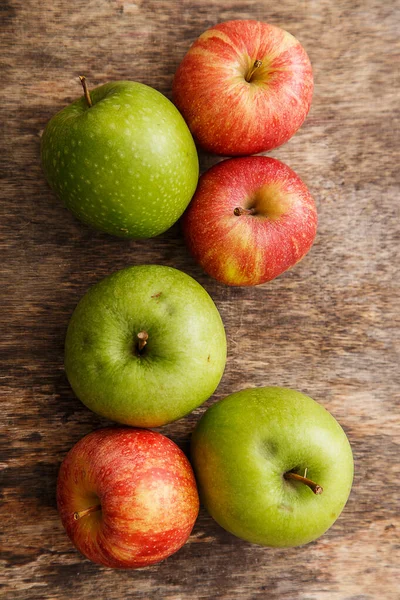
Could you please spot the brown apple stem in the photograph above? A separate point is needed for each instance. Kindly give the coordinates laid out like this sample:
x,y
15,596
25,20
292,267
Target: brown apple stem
x,y
317,489
86,90
243,211
82,513
143,336
257,65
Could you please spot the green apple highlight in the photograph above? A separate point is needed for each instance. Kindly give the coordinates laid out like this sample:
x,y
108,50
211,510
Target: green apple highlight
x,y
272,465
122,159
145,346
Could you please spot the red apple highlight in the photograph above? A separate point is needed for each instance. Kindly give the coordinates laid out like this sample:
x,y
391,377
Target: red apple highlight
x,y
250,220
127,497
244,87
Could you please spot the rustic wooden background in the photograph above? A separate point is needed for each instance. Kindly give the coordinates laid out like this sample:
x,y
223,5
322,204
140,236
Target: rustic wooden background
x,y
329,327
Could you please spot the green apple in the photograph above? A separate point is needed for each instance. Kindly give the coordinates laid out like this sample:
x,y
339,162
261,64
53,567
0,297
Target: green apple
x,y
145,346
122,159
273,466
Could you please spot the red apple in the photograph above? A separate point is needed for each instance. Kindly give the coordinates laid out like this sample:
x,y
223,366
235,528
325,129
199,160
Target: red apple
x,y
244,87
250,220
127,497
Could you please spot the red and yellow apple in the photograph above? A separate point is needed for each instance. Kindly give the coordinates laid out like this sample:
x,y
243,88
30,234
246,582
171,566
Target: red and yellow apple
x,y
244,87
127,497
250,220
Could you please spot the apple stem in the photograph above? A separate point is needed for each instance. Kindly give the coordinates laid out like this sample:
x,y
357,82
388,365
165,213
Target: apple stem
x,y
317,489
257,65
82,513
86,90
243,211
143,336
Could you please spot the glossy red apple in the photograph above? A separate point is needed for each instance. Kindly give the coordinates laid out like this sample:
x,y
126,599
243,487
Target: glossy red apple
x,y
244,87
250,220
127,497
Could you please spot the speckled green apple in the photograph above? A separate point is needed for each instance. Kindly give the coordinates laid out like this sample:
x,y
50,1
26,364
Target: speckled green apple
x,y
272,465
127,164
145,346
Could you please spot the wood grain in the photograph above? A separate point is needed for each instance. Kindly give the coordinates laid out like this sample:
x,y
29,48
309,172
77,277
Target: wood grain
x,y
329,327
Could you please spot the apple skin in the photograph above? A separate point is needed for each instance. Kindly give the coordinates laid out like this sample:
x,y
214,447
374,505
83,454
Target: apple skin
x,y
127,165
146,489
249,249
179,368
229,115
243,445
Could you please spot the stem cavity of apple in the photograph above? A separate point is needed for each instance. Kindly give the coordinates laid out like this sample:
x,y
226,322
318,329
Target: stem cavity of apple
x,y
243,211
86,92
257,65
87,511
317,489
142,336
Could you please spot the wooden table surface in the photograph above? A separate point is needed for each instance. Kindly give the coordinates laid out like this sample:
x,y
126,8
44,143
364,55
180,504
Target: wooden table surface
x,y
329,327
